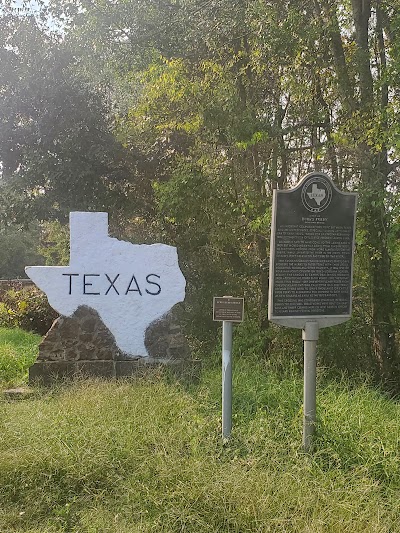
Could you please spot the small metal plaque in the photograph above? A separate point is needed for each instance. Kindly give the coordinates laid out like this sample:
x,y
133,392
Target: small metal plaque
x,y
228,309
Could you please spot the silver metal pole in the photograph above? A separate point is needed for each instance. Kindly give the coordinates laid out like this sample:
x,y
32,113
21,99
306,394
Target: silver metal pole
x,y
227,328
310,337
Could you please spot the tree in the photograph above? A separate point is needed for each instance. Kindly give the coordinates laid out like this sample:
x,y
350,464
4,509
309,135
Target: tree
x,y
220,102
57,149
360,57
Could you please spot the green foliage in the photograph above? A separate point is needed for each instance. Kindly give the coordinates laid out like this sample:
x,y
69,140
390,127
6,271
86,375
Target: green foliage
x,y
249,339
147,456
54,243
347,348
56,146
18,351
193,115
18,248
27,309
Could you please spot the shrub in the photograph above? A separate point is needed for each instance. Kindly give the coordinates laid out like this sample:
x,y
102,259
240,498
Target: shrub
x,y
344,348
27,309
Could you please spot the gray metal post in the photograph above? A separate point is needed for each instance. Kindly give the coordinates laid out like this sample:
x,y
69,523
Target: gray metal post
x,y
227,328
310,337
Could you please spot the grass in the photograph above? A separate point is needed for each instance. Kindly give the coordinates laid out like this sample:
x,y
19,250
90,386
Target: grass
x,y
146,456
18,351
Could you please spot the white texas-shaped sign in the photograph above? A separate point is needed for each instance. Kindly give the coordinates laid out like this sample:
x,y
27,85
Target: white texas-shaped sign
x,y
129,285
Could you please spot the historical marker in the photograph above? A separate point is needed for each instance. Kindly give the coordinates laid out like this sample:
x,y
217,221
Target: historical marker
x,y
311,269
228,308
312,244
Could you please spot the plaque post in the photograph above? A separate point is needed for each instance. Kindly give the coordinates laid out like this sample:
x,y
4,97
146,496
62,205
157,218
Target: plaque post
x,y
227,328
310,337
227,310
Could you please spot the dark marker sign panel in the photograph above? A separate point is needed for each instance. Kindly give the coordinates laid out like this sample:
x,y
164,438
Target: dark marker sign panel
x,y
228,309
312,243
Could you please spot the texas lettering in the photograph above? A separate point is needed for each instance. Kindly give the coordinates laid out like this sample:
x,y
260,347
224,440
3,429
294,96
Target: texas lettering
x,y
104,284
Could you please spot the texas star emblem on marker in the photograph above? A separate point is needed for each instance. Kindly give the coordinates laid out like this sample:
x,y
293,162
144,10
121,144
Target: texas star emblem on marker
x,y
129,285
316,194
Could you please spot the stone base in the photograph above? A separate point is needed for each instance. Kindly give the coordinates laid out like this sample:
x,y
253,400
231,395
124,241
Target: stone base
x,y
189,369
47,372
82,346
50,372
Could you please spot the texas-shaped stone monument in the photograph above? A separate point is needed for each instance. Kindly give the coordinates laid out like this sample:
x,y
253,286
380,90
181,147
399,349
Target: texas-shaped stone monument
x,y
129,285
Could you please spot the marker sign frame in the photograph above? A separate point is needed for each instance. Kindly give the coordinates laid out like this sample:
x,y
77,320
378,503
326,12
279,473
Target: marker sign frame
x,y
228,309
311,253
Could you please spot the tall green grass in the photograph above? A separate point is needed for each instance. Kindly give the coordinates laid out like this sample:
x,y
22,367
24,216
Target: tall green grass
x,y
147,456
18,351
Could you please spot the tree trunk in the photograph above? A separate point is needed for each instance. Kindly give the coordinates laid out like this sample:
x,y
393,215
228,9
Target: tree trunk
x,y
374,220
